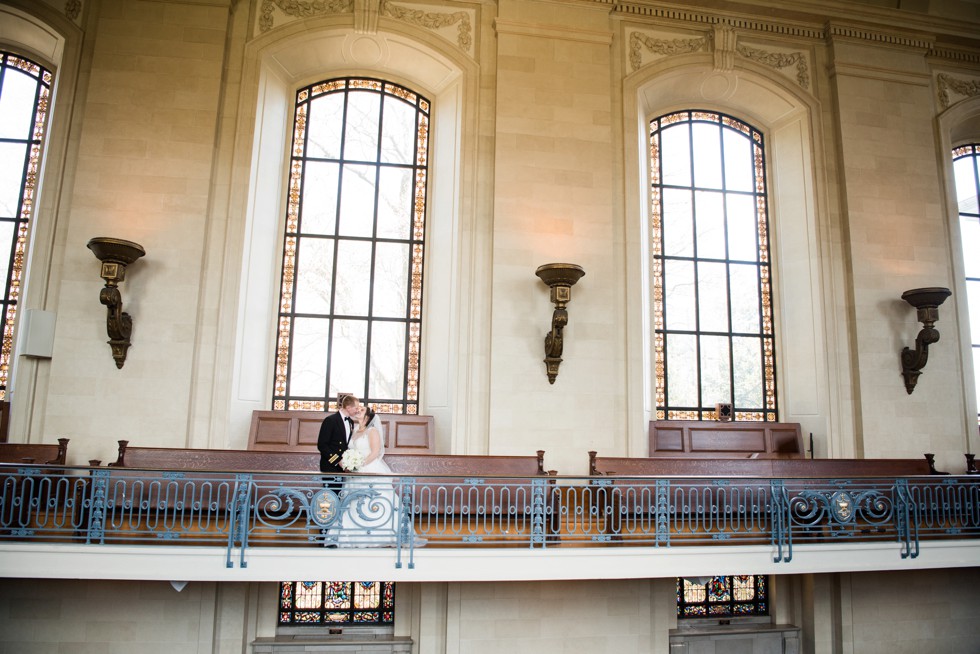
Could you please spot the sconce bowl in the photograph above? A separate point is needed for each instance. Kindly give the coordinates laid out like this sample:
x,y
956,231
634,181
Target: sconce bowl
x,y
115,250
926,298
559,274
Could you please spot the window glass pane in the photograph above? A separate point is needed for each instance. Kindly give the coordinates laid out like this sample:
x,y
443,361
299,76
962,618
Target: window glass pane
x,y
17,104
745,298
707,155
398,137
11,177
679,306
715,371
710,218
361,135
395,203
712,297
746,360
682,367
387,360
676,156
319,198
973,298
739,173
309,357
348,355
353,278
314,276
964,170
970,237
678,223
6,242
357,200
326,120
391,280
743,236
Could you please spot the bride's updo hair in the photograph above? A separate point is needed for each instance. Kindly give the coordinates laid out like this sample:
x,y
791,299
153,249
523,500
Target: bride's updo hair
x,y
369,414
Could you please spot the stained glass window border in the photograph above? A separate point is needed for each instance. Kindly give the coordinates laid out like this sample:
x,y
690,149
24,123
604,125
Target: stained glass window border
x,y
768,411
336,604
283,397
32,139
725,603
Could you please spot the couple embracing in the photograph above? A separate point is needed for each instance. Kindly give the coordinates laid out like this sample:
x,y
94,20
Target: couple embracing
x,y
352,440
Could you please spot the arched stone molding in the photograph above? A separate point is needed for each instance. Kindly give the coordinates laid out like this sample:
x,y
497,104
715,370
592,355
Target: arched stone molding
x,y
245,272
957,125
810,335
50,38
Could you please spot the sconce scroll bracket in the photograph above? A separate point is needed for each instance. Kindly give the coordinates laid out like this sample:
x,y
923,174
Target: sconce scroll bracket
x,y
115,254
560,277
926,302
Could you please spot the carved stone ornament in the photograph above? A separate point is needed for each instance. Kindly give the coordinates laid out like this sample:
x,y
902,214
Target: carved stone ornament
x,y
73,9
433,21
639,41
780,60
301,9
947,83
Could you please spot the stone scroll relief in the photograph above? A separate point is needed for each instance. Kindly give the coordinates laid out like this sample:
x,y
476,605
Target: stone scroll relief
x,y
640,43
275,13
721,42
947,83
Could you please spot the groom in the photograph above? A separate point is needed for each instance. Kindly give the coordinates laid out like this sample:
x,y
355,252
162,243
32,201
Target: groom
x,y
335,432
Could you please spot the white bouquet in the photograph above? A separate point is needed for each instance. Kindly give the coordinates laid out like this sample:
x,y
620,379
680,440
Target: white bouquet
x,y
352,460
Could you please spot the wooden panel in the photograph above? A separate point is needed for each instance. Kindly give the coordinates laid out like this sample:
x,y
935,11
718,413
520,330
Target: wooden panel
x,y
712,440
725,440
35,452
774,468
297,431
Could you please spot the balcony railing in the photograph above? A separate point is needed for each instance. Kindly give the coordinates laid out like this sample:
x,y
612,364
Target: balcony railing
x,y
239,511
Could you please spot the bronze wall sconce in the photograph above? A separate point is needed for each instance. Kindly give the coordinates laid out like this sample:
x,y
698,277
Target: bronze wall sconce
x,y
926,302
560,277
115,254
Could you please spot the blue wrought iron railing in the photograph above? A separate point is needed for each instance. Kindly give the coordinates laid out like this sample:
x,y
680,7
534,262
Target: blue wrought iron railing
x,y
258,509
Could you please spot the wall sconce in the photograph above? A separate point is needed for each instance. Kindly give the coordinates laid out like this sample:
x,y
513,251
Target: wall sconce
x,y
926,302
115,254
560,277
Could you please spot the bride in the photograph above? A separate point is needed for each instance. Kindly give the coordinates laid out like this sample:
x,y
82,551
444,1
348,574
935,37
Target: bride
x,y
370,519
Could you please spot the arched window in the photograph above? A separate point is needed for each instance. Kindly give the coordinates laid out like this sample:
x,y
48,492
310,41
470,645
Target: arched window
x,y
712,298
25,89
966,168
350,304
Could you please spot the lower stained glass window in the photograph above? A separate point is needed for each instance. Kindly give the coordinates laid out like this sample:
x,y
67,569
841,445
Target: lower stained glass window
x,y
358,603
729,596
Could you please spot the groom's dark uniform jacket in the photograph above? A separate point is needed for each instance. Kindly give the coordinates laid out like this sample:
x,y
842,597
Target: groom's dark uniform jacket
x,y
332,442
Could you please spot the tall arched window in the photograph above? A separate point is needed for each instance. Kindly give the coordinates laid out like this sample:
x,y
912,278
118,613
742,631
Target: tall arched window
x,y
25,89
351,297
966,167
712,298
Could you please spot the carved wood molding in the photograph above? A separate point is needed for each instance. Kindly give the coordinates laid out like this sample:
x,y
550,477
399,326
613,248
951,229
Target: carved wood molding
x,y
947,83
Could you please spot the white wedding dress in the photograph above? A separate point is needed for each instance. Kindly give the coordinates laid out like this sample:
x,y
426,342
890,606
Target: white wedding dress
x,y
370,518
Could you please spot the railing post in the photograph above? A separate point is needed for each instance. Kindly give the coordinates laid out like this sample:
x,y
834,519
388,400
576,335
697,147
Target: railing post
x,y
664,513
539,511
240,510
905,524
95,530
781,521
406,522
